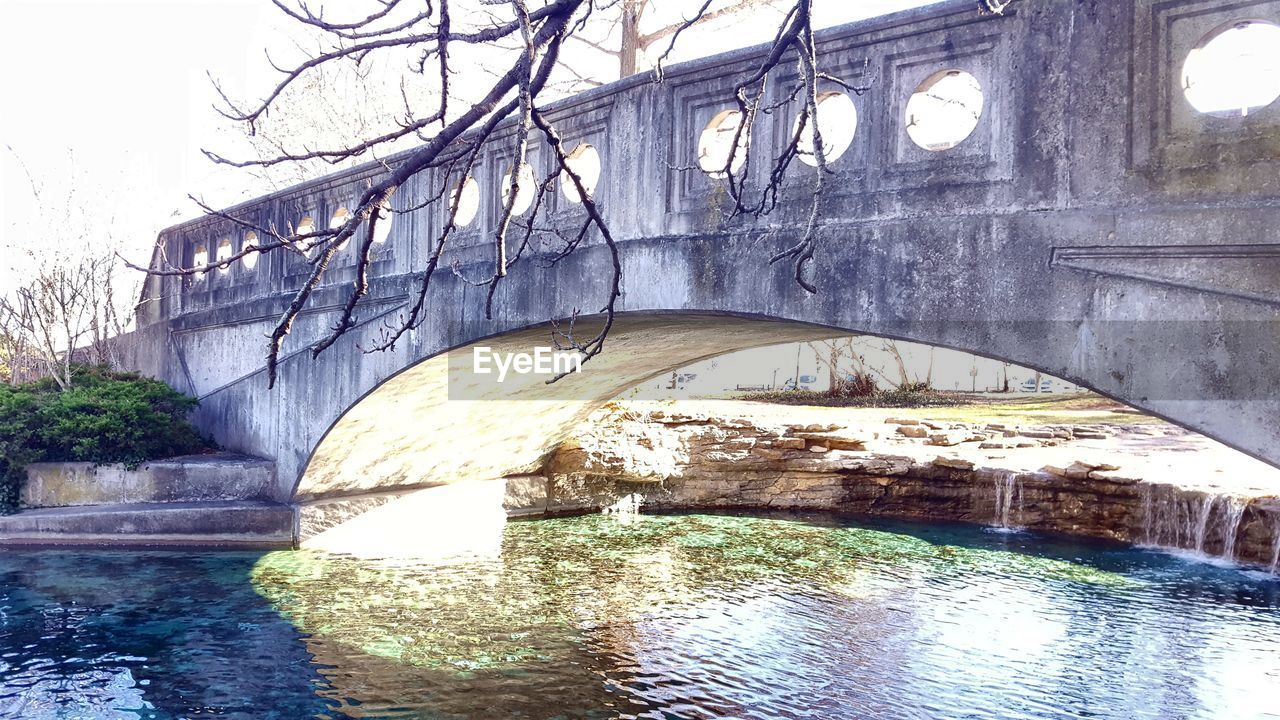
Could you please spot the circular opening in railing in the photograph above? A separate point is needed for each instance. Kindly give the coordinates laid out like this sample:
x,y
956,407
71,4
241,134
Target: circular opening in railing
x,y
382,230
306,226
524,189
1234,69
201,257
716,146
340,217
584,161
224,252
250,261
467,194
944,110
837,121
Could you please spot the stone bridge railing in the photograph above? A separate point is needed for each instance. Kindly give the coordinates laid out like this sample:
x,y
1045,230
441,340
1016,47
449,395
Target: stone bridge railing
x,y
1137,142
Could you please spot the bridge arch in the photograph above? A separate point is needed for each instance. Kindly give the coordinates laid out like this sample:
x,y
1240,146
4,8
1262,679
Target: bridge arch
x,y
437,421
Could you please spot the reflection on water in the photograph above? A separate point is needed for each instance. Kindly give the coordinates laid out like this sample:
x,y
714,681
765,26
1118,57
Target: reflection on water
x,y
679,616
145,635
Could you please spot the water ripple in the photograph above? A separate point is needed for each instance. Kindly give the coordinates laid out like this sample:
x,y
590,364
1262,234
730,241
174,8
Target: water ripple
x,y
680,616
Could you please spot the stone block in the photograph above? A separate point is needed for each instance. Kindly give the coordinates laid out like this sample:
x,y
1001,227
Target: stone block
x,y
196,478
1078,470
954,463
525,495
945,439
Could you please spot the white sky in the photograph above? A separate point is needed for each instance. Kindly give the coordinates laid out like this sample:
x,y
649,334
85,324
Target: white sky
x,y
112,99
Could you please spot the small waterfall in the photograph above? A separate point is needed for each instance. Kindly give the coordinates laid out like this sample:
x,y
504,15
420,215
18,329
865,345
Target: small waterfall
x,y
1186,520
1275,547
1202,522
1174,519
1232,514
1008,496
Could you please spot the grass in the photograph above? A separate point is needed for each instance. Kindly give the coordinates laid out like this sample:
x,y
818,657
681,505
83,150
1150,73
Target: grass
x,y
888,399
1078,409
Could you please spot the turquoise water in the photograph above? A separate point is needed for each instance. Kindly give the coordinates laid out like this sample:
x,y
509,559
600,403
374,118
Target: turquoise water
x,y
670,616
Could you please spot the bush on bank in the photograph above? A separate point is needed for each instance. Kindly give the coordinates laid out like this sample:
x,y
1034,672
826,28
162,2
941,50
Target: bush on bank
x,y
104,417
904,397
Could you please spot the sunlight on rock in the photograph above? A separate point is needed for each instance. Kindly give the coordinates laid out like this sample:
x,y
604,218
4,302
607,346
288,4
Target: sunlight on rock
x,y
450,521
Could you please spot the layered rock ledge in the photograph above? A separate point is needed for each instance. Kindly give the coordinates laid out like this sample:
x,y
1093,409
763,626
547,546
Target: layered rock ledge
x,y
1095,480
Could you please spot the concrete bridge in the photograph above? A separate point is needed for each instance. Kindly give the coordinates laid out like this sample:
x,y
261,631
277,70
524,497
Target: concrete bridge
x,y
1093,224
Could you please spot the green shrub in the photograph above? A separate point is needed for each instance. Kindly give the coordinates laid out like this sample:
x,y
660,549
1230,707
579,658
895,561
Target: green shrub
x,y
855,385
105,417
895,398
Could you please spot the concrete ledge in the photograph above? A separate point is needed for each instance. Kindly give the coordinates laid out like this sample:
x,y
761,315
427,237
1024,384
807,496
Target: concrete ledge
x,y
193,478
238,524
157,542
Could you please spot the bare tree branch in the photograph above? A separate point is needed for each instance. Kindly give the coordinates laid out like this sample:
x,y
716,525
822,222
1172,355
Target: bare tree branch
x,y
425,36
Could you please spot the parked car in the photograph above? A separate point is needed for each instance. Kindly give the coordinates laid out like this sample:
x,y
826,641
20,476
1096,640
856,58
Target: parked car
x,y
806,383
1029,385
680,381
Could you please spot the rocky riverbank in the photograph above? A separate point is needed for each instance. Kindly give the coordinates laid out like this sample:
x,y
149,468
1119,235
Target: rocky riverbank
x,y
1111,481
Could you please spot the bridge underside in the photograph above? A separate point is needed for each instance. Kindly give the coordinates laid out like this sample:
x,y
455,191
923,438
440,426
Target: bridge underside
x,y
438,422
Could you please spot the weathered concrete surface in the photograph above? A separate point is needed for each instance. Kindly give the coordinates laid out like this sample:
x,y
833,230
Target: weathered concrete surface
x,y
195,478
220,499
240,523
1093,226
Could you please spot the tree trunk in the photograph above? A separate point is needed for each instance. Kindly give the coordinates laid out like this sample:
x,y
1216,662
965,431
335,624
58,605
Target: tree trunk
x,y
629,55
903,378
833,377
